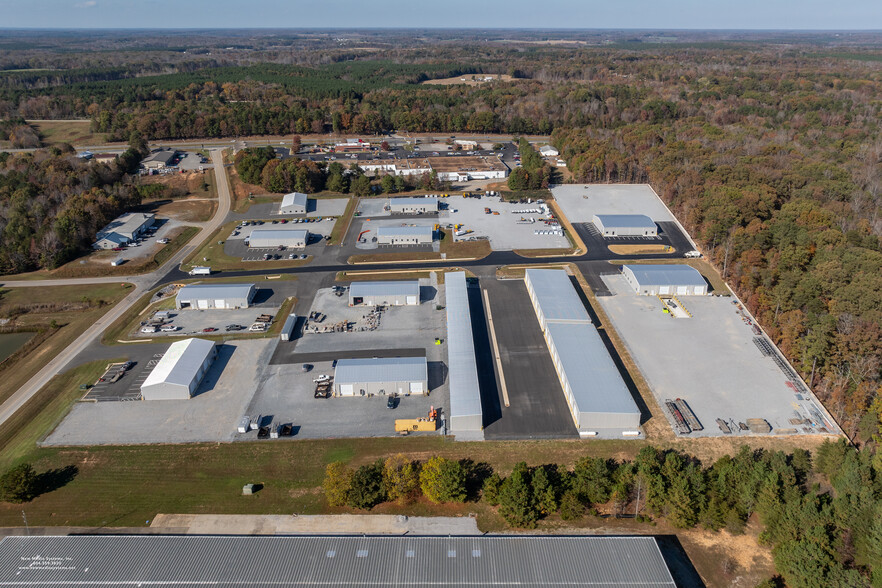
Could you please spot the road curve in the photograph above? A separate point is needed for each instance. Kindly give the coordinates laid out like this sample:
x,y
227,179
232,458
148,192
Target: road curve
x,y
142,284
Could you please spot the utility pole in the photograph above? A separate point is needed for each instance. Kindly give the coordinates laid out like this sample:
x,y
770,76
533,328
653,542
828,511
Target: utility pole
x,y
637,505
25,519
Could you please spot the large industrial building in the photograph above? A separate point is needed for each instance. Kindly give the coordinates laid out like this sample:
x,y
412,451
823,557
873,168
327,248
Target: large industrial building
x,y
528,561
414,205
661,280
598,398
451,168
215,296
465,415
625,225
123,230
393,293
383,375
180,371
273,237
421,235
294,203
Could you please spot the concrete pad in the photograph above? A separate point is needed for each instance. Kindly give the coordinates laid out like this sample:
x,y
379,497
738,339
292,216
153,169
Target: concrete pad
x,y
504,230
315,524
709,360
211,415
580,202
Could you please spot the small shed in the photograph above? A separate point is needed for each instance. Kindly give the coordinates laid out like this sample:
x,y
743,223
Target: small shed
x,y
294,203
393,293
383,375
661,280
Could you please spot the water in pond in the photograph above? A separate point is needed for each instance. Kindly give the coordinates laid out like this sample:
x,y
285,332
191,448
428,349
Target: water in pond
x,y
12,342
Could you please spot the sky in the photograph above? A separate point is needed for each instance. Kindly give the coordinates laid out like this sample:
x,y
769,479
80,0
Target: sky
x,y
570,14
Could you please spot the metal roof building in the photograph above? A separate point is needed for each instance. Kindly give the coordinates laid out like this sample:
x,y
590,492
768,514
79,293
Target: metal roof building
x,y
414,205
382,375
278,237
598,398
419,235
126,227
554,298
294,203
596,394
215,296
625,225
159,159
403,561
655,280
392,293
465,413
180,371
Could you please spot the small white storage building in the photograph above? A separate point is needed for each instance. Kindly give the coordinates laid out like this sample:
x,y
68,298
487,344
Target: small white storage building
x,y
384,375
400,293
272,237
414,205
180,371
625,225
215,296
405,235
548,151
661,280
294,203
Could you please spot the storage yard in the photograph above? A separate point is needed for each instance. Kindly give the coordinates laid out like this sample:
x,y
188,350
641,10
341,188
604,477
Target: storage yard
x,y
714,360
580,202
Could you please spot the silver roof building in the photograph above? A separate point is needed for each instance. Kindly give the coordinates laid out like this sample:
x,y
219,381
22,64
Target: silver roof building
x,y
275,237
665,279
215,296
397,293
381,375
294,203
422,232
553,297
178,374
625,224
412,204
404,561
465,413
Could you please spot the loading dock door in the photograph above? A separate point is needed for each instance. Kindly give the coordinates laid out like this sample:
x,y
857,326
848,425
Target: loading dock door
x,y
682,290
202,304
346,389
416,387
664,289
411,299
220,303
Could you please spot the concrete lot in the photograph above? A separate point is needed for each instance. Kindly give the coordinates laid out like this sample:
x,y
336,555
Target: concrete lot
x,y
503,229
538,409
193,161
580,202
211,415
709,360
371,227
145,247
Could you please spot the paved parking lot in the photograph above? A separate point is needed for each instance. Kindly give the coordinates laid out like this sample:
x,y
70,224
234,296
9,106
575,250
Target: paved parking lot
x,y
512,228
315,207
128,387
580,202
235,243
211,415
709,360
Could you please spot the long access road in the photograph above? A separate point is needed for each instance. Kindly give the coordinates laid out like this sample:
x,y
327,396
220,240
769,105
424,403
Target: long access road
x,y
142,285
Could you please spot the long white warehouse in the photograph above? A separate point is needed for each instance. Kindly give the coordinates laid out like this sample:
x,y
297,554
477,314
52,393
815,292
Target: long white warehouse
x,y
215,296
392,293
659,280
466,414
384,375
180,371
598,398
420,235
409,205
297,238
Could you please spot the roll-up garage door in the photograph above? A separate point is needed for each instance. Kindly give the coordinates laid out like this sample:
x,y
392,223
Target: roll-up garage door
x,y
411,300
682,289
664,289
346,389
202,304
416,387
220,303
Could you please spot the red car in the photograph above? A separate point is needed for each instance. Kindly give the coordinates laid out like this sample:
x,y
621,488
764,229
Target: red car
x,y
209,330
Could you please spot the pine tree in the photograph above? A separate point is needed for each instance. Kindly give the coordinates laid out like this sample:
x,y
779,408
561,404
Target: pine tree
x,y
516,503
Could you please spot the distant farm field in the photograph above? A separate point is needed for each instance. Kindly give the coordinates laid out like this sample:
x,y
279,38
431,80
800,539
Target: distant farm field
x,y
470,80
75,132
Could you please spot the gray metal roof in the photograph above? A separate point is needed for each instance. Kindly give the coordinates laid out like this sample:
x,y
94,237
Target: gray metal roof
x,y
425,230
625,220
556,295
295,198
181,362
414,201
151,560
161,156
125,225
465,394
390,288
274,233
666,275
214,291
381,369
595,381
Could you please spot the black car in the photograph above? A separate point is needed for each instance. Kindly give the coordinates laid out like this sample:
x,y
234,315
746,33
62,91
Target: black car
x,y
392,402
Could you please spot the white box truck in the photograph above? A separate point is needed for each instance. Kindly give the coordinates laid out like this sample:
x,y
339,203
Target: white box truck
x,y
200,271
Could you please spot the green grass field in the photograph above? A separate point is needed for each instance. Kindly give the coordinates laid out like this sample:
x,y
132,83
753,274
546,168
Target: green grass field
x,y
75,132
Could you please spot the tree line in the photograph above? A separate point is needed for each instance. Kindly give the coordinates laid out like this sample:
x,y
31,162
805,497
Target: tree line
x,y
822,517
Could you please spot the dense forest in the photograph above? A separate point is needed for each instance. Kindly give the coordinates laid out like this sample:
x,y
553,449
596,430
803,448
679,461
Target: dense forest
x,y
822,517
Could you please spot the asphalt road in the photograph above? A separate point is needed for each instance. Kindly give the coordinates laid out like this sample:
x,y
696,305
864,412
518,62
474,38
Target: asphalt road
x,y
142,285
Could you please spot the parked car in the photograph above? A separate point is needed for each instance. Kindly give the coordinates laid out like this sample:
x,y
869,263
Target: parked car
x,y
233,328
391,402
127,366
303,256
168,328
148,329
209,330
